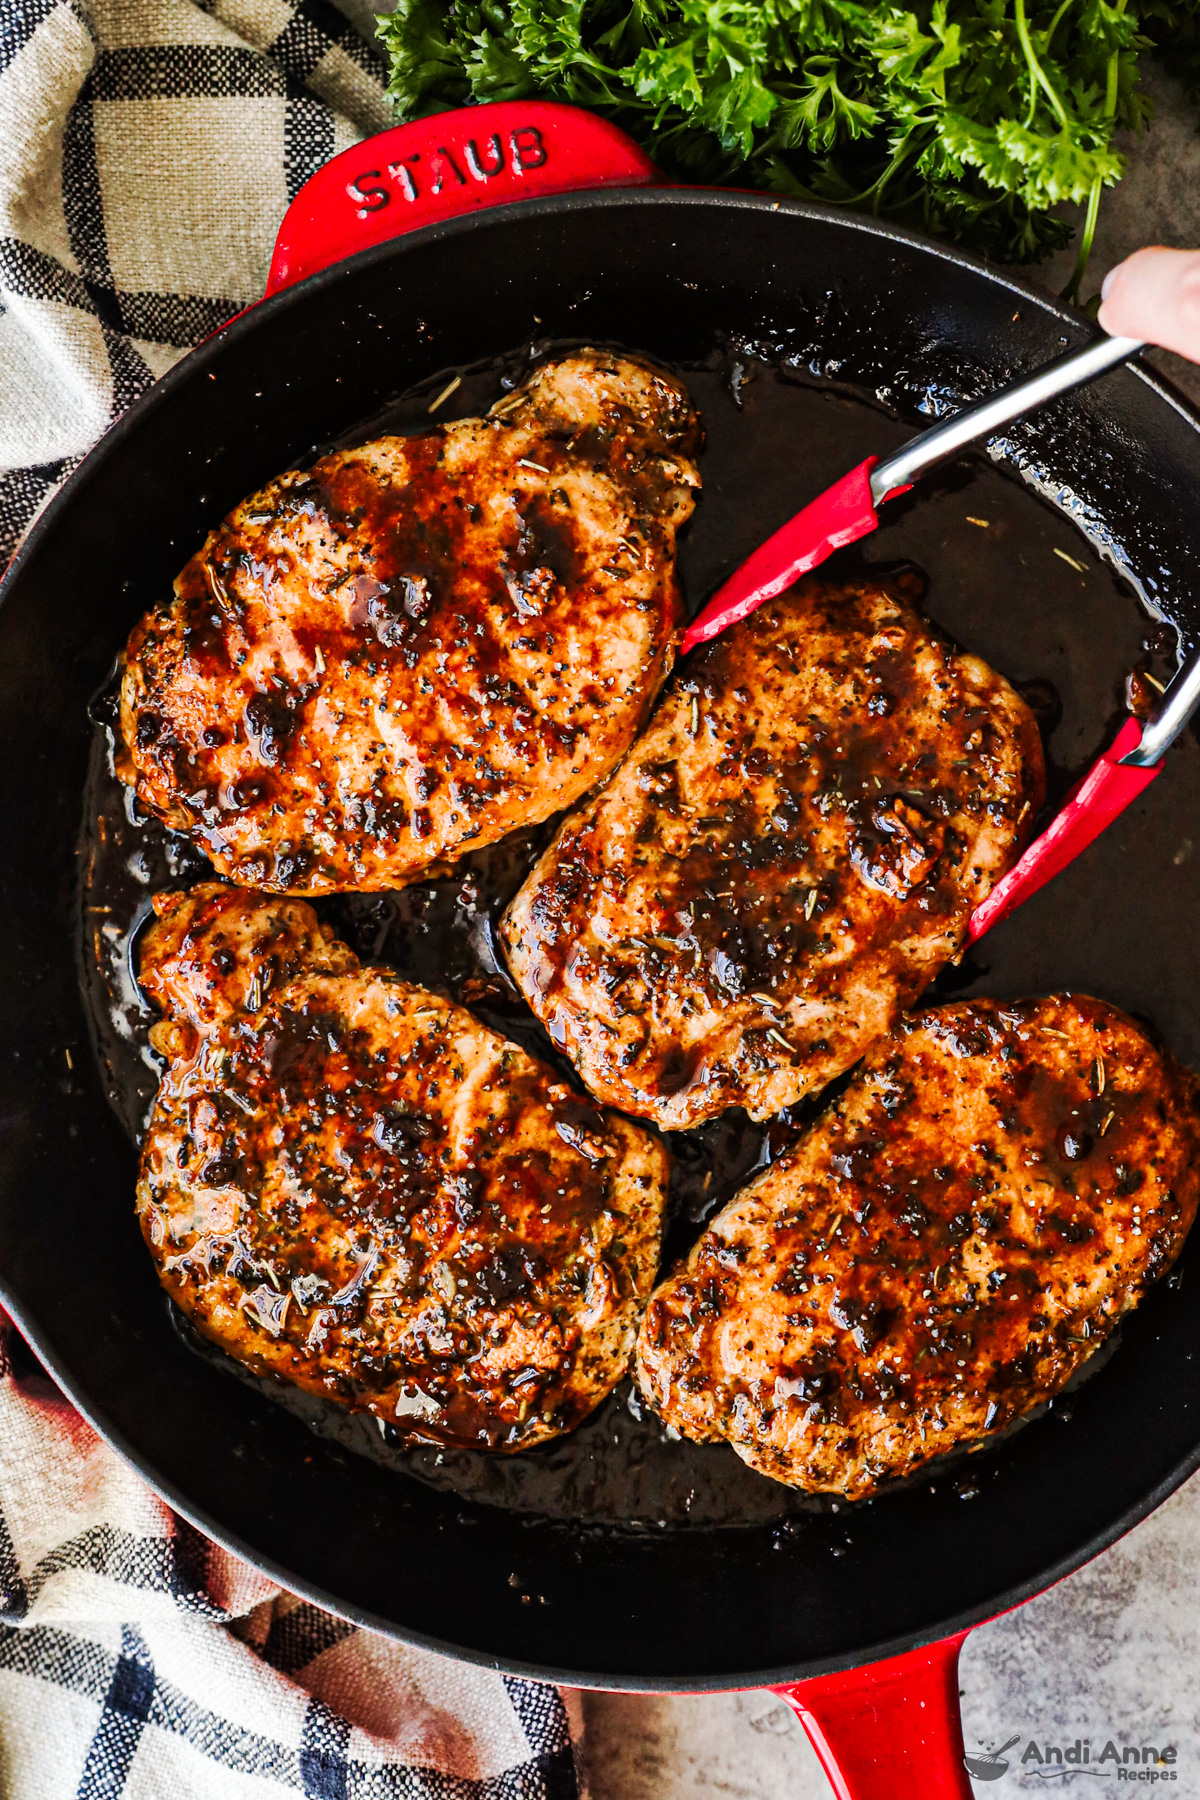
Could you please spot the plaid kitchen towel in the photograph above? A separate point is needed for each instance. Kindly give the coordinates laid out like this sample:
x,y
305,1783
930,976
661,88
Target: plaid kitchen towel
x,y
148,151
138,1659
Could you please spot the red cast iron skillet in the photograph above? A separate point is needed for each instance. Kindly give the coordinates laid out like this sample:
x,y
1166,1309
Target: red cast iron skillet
x,y
524,218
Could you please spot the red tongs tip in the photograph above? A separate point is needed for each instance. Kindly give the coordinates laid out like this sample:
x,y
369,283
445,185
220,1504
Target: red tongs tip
x,y
703,630
840,516
1104,792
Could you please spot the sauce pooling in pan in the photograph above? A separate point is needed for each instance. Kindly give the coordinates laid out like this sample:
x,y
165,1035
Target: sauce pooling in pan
x,y
1008,577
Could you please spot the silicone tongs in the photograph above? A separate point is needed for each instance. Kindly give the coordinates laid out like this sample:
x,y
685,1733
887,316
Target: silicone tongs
x,y
847,511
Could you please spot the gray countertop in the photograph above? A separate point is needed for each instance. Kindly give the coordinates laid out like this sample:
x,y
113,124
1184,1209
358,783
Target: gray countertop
x,y
1112,1652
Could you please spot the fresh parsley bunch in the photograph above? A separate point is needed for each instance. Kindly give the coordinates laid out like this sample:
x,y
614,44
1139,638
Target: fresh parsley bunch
x,y
970,120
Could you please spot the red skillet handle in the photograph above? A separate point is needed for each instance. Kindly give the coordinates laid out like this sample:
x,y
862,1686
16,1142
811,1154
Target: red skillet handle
x,y
889,1730
452,163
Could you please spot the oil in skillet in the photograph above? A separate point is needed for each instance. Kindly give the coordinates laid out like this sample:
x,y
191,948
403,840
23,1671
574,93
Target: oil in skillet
x,y
1007,576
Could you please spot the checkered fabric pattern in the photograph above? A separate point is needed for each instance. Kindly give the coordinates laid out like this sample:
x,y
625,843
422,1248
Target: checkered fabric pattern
x,y
148,150
138,1659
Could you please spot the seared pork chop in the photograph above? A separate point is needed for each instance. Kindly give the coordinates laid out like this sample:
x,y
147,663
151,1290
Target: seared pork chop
x,y
351,1183
423,643
940,1252
785,859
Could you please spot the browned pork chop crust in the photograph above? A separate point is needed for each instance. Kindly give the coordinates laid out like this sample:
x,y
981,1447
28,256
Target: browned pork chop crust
x,y
421,644
941,1250
350,1182
784,860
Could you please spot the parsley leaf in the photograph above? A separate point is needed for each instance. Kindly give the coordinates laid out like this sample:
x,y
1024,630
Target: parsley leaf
x,y
971,120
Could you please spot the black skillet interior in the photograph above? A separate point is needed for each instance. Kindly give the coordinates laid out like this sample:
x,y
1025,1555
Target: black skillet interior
x,y
671,272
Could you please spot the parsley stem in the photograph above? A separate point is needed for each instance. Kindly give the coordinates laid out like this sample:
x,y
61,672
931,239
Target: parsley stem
x,y
913,143
1037,75
1053,25
1071,291
1110,92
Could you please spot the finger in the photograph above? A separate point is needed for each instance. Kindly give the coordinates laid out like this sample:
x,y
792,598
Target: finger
x,y
1155,295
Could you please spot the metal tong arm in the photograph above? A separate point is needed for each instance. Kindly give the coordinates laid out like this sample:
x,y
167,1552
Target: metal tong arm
x,y
1164,726
981,419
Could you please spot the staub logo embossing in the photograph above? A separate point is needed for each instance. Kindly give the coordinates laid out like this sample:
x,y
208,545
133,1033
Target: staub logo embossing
x,y
510,154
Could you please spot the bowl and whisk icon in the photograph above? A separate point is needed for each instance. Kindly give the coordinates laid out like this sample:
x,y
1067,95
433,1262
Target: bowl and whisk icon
x,y
990,1764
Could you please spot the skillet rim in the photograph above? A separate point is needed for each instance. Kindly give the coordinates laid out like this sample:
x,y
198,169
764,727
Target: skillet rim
x,y
159,394
160,391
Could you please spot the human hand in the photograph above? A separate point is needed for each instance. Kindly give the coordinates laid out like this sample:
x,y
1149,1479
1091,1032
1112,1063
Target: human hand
x,y
1155,295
